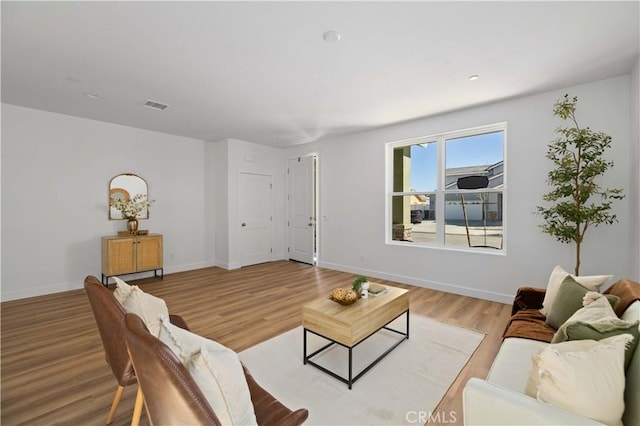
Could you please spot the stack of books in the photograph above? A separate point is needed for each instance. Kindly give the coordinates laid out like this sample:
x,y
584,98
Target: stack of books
x,y
377,289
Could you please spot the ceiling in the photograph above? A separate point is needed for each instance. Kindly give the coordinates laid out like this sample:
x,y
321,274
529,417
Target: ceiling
x,y
261,71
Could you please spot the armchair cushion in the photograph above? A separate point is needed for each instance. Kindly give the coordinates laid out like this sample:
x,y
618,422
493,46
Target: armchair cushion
x,y
216,370
148,307
122,290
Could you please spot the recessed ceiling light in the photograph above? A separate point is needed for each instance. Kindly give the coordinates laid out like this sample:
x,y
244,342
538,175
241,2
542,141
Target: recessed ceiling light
x,y
474,77
331,36
93,96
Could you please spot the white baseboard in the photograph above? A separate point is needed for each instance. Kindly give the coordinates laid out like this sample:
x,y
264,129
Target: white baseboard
x,y
236,265
24,293
449,288
188,267
41,290
227,265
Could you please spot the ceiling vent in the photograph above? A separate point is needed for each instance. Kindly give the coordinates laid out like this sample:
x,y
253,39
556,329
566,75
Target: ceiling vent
x,y
155,105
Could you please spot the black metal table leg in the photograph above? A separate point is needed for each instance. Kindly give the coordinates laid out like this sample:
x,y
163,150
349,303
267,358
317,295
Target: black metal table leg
x,y
350,366
304,345
350,380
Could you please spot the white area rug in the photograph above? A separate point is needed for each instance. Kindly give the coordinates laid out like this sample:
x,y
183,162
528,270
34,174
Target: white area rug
x,y
407,384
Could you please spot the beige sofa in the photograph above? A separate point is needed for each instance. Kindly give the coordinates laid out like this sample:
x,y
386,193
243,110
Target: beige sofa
x,y
500,399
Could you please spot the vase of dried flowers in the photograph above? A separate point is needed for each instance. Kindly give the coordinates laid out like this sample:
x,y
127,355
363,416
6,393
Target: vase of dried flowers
x,y
130,209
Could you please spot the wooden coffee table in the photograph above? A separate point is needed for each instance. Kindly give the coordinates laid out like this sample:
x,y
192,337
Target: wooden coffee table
x,y
349,326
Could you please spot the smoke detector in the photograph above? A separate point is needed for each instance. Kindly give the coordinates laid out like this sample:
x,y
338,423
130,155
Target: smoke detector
x,y
331,36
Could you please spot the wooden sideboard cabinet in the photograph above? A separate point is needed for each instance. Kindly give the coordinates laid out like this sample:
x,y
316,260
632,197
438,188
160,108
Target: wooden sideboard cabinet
x,y
131,254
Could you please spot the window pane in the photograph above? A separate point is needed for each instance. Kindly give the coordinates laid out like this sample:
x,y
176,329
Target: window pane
x,y
413,218
469,205
473,219
477,155
415,168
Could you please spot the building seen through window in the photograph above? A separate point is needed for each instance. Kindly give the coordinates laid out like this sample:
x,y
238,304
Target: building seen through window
x,y
448,190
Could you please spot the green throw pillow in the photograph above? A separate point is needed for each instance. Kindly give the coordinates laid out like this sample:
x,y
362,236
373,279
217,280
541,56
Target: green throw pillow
x,y
569,300
602,329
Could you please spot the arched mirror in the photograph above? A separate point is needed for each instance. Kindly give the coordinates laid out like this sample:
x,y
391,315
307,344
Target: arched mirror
x,y
125,187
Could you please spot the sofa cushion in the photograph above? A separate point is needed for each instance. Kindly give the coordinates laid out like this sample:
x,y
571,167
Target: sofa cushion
x,y
569,299
592,282
510,368
584,376
529,324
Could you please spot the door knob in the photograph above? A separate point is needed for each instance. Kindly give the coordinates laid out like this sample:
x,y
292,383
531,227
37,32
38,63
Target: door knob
x,y
244,224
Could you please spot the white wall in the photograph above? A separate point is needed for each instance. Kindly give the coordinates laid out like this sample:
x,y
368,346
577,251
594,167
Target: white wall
x,y
55,178
56,170
231,157
217,160
634,186
352,198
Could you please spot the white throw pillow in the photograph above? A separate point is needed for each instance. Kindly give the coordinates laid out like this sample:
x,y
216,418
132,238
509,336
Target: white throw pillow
x,y
122,290
597,308
592,282
148,307
182,342
216,370
585,377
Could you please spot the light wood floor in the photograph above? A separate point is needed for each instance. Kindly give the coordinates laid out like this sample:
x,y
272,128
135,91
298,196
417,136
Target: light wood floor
x,y
53,368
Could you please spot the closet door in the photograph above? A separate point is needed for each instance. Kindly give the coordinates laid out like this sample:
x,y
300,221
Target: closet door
x,y
256,222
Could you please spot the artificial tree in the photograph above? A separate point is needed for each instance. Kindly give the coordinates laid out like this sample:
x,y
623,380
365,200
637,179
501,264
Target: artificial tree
x,y
578,201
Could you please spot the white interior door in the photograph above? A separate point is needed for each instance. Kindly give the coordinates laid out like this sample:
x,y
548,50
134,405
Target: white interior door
x,y
301,209
256,223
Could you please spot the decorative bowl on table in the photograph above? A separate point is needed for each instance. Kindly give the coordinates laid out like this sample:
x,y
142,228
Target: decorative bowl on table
x,y
344,297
